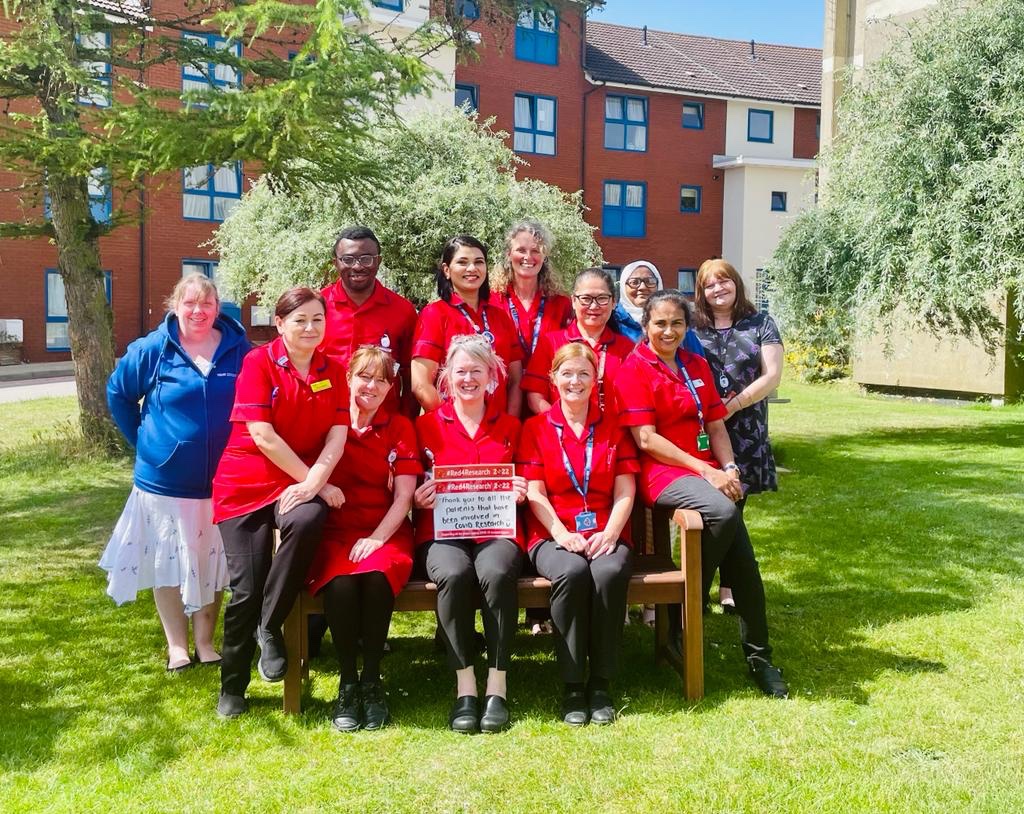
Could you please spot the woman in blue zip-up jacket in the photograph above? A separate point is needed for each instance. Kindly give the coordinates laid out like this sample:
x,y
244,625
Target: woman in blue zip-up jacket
x,y
184,375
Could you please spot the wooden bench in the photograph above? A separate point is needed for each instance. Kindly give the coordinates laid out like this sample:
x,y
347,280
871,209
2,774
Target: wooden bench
x,y
656,580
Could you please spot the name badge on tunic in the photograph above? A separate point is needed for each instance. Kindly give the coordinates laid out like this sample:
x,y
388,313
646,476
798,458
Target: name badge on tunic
x,y
698,382
586,521
323,384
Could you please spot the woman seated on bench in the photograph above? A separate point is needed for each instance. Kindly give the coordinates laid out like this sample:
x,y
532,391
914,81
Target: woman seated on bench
x,y
467,429
668,400
580,468
365,556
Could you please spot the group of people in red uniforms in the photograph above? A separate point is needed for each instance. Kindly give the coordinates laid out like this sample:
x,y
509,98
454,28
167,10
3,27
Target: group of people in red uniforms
x,y
337,425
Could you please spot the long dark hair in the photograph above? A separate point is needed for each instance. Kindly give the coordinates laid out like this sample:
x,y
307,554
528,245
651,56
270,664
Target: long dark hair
x,y
444,285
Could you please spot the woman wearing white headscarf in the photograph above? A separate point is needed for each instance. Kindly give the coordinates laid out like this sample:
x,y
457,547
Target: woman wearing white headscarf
x,y
637,282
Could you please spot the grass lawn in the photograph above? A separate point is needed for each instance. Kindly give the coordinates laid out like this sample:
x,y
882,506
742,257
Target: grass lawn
x,y
893,558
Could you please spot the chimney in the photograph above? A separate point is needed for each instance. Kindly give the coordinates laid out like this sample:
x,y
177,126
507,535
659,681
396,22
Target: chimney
x,y
753,56
645,36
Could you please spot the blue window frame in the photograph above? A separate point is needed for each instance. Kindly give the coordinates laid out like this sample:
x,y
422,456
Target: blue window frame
x,y
534,124
394,5
206,75
467,96
687,281
468,9
97,96
760,125
100,197
778,201
57,310
209,268
537,36
689,198
624,209
209,192
625,123
693,115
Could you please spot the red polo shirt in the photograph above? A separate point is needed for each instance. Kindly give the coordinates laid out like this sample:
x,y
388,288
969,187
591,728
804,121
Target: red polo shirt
x,y
613,347
540,455
440,322
441,432
557,314
302,410
650,393
386,320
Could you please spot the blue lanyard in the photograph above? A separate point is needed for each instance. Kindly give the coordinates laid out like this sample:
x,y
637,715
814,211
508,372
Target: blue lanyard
x,y
693,391
536,323
588,464
476,328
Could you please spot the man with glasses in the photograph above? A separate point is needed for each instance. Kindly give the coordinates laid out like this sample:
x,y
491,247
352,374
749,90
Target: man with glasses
x,y
361,311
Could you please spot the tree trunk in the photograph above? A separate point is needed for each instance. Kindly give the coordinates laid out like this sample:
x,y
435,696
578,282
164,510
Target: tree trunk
x,y
90,320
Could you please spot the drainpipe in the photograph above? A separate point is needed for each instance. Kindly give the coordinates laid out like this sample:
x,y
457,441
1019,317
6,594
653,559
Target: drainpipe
x,y
583,67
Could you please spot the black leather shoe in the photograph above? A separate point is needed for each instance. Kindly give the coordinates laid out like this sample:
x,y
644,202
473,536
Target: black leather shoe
x,y
465,715
231,706
348,709
768,677
574,708
375,707
602,710
273,661
495,714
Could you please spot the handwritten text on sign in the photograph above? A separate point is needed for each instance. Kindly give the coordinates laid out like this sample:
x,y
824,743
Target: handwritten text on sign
x,y
474,501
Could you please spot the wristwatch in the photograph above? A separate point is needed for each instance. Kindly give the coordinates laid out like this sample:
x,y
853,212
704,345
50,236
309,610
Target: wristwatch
x,y
730,466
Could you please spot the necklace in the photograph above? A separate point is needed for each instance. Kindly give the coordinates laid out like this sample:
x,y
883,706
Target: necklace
x,y
722,337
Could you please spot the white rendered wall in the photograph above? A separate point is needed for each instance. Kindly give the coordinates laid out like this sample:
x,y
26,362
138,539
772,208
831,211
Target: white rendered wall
x,y
736,142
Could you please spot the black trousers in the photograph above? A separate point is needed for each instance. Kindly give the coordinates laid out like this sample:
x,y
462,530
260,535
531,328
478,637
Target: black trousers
x,y
725,544
264,585
461,568
588,607
358,609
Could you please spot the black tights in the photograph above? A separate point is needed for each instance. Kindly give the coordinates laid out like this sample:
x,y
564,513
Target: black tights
x,y
358,607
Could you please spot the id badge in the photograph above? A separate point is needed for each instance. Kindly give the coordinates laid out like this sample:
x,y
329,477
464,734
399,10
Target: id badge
x,y
586,521
703,442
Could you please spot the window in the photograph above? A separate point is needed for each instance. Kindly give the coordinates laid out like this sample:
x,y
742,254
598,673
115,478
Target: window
x,y
211,193
534,125
394,5
466,97
778,202
625,123
693,115
57,338
624,210
687,281
689,198
817,127
98,96
760,125
209,268
100,199
537,36
205,75
468,9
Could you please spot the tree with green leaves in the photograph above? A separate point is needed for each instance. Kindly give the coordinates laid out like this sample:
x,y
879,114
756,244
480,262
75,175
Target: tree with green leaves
x,y
448,174
923,199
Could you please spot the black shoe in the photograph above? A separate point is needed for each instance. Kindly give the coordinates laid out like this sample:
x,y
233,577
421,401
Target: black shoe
x,y
348,709
602,710
768,677
464,716
231,706
273,661
574,708
495,714
375,707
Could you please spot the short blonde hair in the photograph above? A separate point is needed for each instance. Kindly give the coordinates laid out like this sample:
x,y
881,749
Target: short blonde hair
x,y
570,351
377,360
196,279
477,348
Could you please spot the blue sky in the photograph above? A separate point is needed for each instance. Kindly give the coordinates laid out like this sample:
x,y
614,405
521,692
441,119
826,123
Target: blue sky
x,y
789,22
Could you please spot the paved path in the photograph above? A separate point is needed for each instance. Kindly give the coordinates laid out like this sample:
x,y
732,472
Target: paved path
x,y
36,389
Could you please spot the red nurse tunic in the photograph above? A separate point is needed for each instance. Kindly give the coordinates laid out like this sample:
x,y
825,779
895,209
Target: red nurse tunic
x,y
540,455
547,313
440,322
612,350
650,393
386,320
443,440
302,410
366,472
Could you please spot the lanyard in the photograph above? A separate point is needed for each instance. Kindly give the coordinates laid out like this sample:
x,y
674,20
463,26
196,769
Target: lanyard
x,y
588,463
693,391
536,323
476,328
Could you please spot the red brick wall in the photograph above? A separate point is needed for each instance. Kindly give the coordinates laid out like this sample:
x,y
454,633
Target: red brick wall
x,y
805,132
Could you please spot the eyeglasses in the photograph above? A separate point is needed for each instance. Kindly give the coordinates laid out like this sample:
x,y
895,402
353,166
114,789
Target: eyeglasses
x,y
646,282
588,300
352,260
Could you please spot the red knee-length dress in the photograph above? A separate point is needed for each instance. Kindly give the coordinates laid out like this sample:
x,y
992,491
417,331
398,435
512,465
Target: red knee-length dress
x,y
373,458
